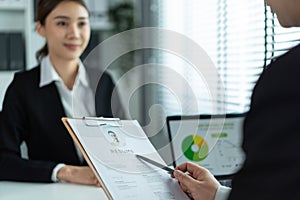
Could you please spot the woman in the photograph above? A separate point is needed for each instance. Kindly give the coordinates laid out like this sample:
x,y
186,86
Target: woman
x,y
37,99
271,132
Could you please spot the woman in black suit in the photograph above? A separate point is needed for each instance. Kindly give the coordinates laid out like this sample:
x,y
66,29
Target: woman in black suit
x,y
37,99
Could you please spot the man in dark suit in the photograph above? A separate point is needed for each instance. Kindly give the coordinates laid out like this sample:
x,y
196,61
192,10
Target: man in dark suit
x,y
271,132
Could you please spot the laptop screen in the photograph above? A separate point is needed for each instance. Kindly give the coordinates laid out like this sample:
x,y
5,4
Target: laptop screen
x,y
212,141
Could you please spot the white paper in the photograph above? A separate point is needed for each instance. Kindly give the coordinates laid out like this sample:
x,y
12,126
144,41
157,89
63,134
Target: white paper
x,y
112,151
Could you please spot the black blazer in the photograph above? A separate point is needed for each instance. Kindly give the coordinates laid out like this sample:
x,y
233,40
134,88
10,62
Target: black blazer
x,y
272,135
33,114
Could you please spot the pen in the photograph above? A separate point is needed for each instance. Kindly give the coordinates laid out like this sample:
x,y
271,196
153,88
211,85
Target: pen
x,y
168,169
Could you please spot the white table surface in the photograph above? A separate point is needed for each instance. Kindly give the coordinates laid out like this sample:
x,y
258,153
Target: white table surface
x,y
47,191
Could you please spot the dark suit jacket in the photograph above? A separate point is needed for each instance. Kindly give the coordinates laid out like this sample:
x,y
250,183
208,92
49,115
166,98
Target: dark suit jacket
x,y
272,135
33,114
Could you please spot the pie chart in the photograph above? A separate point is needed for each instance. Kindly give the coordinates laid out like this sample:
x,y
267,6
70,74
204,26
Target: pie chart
x,y
195,148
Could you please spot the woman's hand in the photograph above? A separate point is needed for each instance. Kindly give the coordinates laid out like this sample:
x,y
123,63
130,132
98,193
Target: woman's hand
x,y
77,174
198,183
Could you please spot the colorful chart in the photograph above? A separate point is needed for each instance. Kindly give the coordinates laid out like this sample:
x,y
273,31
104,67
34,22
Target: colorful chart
x,y
195,148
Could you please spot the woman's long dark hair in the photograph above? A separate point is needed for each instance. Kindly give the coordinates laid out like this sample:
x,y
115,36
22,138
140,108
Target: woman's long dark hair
x,y
44,7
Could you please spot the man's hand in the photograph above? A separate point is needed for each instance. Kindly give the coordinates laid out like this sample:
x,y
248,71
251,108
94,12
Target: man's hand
x,y
198,183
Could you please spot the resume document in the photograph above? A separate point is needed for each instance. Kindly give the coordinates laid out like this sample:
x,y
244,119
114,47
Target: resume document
x,y
110,147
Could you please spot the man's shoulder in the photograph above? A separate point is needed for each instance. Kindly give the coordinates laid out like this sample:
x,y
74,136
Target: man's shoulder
x,y
291,57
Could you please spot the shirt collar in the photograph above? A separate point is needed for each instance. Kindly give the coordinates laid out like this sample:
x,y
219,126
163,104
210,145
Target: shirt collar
x,y
82,74
49,75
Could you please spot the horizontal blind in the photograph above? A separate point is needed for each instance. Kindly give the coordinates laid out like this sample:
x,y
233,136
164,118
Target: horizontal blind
x,y
181,18
232,33
241,50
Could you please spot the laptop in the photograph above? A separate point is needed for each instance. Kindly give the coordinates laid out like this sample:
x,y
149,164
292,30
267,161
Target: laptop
x,y
212,141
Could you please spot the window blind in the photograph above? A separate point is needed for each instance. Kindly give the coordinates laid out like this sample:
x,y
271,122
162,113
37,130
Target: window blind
x,y
241,37
232,33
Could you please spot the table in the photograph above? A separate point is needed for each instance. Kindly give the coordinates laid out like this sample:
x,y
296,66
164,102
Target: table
x,y
46,191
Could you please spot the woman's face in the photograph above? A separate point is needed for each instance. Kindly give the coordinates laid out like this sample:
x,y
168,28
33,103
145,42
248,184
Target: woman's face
x,y
67,31
287,11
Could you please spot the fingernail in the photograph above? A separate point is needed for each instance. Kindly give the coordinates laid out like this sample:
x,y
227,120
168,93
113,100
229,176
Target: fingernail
x,y
176,173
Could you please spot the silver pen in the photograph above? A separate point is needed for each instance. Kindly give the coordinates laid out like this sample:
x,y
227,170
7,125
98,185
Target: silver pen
x,y
168,169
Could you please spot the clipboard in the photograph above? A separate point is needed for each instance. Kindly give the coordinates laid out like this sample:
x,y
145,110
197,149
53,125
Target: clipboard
x,y
105,152
85,155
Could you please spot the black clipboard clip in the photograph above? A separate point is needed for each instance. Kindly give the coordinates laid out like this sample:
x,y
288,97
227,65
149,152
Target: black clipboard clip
x,y
101,121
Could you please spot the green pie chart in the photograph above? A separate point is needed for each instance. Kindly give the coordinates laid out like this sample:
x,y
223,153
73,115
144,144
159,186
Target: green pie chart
x,y
194,147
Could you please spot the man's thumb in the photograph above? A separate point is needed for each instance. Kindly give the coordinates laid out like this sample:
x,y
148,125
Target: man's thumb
x,y
182,177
